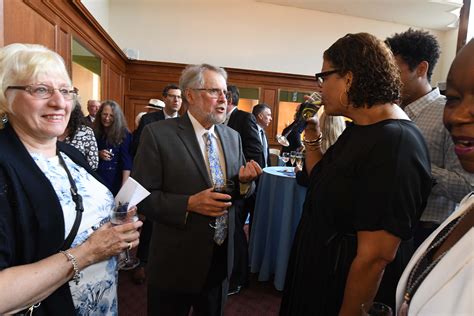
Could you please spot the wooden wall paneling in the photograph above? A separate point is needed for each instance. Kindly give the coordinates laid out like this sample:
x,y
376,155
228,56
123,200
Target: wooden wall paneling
x,y
2,25
40,28
270,97
115,85
63,46
135,105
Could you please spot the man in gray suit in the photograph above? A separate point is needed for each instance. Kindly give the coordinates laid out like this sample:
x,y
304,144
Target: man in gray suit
x,y
179,161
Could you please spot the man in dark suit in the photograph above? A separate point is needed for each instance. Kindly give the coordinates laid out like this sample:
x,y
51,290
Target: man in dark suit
x,y
92,107
172,103
246,125
163,110
263,115
179,161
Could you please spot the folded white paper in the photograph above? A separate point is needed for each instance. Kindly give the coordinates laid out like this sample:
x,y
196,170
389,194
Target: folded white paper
x,y
131,192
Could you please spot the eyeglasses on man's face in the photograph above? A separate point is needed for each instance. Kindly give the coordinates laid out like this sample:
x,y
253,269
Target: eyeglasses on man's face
x,y
215,93
321,76
42,91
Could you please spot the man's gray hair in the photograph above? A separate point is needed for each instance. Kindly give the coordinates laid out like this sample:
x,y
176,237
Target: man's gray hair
x,y
193,75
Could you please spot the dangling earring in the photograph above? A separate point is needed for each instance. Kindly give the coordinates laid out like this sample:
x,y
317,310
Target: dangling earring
x,y
340,99
4,119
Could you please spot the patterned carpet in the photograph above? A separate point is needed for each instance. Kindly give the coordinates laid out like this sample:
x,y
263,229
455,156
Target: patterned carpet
x,y
260,298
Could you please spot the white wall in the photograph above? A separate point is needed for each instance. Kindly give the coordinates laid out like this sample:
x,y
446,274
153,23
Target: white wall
x,y
100,10
244,34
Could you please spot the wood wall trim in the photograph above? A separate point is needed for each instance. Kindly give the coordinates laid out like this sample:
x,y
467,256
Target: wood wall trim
x,y
131,83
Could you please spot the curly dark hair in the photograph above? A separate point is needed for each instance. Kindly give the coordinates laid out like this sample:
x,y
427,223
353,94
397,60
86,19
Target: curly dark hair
x,y
75,120
376,77
116,133
415,46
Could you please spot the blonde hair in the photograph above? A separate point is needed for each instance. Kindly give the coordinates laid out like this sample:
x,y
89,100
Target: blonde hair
x,y
24,63
331,127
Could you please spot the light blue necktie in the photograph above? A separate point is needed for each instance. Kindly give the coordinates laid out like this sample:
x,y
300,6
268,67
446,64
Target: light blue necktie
x,y
217,178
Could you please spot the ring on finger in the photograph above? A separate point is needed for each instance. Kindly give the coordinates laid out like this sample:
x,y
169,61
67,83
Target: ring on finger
x,y
130,246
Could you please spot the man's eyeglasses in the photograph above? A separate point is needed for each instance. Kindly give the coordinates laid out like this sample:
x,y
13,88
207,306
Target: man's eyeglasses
x,y
215,93
322,75
42,91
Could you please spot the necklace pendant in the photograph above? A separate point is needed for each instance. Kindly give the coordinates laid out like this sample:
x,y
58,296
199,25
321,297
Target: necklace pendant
x,y
403,309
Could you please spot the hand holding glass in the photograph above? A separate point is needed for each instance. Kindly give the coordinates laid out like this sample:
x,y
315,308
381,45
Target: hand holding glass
x,y
120,215
227,187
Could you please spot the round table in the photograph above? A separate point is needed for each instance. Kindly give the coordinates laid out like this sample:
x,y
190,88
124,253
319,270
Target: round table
x,y
278,208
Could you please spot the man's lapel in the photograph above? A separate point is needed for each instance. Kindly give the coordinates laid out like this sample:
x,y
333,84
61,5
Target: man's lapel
x,y
188,137
225,141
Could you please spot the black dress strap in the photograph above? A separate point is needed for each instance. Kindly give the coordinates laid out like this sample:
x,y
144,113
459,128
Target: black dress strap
x,y
77,198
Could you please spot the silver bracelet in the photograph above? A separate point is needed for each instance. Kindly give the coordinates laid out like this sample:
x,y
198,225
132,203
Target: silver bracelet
x,y
76,277
313,141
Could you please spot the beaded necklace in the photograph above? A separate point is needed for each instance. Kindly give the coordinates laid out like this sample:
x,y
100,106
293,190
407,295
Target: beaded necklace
x,y
425,264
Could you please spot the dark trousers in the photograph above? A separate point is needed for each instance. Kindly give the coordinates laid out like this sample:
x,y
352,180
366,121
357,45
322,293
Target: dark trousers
x,y
241,253
145,239
208,302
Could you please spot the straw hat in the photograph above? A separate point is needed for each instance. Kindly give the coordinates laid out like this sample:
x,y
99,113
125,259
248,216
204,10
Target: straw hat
x,y
155,104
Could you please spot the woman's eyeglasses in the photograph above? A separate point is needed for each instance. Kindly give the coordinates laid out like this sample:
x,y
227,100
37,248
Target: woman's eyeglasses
x,y
42,91
322,75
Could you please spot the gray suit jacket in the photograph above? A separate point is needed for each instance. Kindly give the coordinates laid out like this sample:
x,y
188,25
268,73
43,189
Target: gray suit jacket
x,y
169,163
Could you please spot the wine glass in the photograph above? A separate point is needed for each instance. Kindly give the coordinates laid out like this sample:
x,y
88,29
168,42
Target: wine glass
x,y
307,109
293,158
285,157
376,309
226,187
120,215
299,160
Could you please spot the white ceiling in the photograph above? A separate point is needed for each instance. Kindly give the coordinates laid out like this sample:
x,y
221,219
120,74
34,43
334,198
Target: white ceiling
x,y
432,14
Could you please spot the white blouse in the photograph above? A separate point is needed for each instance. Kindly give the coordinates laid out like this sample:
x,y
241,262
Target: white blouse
x,y
96,292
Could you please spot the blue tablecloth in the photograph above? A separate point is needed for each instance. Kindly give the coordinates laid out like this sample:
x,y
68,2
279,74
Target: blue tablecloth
x,y
277,213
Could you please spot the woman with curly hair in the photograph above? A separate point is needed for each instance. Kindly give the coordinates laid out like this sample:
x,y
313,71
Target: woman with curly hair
x,y
113,140
366,192
81,136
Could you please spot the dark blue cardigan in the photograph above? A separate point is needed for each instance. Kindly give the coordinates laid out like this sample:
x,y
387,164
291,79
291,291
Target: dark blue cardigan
x,y
31,217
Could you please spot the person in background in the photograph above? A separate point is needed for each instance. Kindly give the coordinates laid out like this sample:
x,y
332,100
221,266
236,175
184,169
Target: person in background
x,y
92,107
81,136
171,105
113,140
416,53
180,161
365,193
263,115
246,125
438,280
48,264
293,136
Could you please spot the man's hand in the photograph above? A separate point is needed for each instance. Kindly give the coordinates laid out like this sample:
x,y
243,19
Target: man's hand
x,y
249,172
209,203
